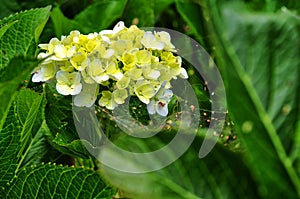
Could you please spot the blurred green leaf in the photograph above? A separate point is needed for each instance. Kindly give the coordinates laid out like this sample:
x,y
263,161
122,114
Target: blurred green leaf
x,y
221,174
100,15
259,61
160,6
191,12
62,25
53,181
8,7
140,10
96,17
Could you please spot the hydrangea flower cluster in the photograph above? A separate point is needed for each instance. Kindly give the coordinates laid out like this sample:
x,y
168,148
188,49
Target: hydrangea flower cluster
x,y
125,61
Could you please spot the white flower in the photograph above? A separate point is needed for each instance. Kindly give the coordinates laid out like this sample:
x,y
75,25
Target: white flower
x,y
149,41
68,83
159,103
107,100
44,73
97,71
166,39
144,90
87,96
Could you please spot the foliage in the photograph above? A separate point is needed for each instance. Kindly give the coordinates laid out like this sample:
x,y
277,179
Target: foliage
x,y
256,47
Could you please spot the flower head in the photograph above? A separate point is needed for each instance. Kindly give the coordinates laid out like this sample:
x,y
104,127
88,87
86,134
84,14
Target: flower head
x,y
124,61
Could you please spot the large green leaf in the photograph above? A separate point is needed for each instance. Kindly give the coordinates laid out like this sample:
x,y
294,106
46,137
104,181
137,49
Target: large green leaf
x,y
9,139
258,55
63,25
53,181
191,12
161,6
41,151
96,17
20,36
12,77
140,10
30,110
16,136
100,15
5,27
221,174
62,133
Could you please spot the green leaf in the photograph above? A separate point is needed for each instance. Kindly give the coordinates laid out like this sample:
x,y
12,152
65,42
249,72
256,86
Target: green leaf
x,y
40,149
63,25
30,111
160,6
100,15
5,27
90,19
19,37
18,130
52,181
221,174
19,32
12,78
191,12
260,65
140,10
9,140
62,133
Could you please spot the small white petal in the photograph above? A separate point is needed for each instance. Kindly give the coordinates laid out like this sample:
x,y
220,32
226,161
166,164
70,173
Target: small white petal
x,y
63,89
154,74
106,32
109,53
37,76
60,51
71,51
151,107
162,108
118,75
183,74
105,38
118,27
68,83
43,46
101,78
75,89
